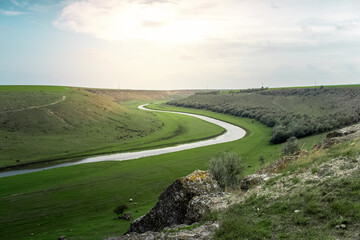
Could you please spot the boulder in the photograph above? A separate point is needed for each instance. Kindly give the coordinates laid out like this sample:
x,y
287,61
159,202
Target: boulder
x,y
184,201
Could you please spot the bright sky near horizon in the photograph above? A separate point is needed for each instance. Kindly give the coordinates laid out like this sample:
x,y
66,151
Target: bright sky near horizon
x,y
180,44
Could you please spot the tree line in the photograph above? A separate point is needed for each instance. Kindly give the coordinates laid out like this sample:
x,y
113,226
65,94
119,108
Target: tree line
x,y
336,107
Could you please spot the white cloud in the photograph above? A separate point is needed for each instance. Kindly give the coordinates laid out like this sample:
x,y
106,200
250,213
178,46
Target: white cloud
x,y
160,21
11,13
215,44
16,3
187,21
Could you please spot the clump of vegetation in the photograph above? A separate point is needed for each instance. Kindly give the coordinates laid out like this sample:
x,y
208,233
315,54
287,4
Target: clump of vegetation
x,y
227,169
119,210
290,146
291,112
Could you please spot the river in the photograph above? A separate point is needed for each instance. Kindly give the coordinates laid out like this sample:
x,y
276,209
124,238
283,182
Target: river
x,y
232,133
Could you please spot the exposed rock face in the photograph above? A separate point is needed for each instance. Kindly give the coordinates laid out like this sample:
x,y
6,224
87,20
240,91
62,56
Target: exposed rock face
x,y
185,201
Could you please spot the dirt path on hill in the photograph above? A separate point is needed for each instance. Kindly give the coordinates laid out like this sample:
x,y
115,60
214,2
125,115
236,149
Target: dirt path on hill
x,y
35,107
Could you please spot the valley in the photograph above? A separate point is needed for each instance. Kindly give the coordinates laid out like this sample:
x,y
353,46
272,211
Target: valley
x,y
77,201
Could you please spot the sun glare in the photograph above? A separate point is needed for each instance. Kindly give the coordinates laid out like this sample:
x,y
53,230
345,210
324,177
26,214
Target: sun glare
x,y
162,24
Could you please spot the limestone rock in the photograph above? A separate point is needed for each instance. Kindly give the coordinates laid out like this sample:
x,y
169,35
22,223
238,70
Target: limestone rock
x,y
253,179
184,201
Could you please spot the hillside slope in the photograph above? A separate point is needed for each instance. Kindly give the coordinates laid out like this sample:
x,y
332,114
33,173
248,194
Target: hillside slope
x,y
312,195
290,112
43,124
127,95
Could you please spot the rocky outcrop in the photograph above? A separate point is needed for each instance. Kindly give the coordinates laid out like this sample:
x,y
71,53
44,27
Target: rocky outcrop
x,y
344,134
185,201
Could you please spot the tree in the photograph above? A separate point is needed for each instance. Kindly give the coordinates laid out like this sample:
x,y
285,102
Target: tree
x,y
227,169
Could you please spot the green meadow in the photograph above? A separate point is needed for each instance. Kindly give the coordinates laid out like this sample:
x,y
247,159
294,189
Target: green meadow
x,y
77,201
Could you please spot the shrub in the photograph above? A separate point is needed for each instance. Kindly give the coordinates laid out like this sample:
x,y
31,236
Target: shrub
x,y
261,160
227,169
290,146
119,210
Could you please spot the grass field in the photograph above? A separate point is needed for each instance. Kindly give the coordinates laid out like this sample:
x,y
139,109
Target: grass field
x,y
83,124
78,201
32,88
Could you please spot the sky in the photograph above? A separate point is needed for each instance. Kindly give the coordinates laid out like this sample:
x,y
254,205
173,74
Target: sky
x,y
179,44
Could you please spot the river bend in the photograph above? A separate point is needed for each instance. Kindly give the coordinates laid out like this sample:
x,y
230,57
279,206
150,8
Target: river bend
x,y
232,133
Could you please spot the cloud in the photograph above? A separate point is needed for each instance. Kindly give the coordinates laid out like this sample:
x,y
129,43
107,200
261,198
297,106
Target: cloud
x,y
159,21
151,24
227,42
182,21
11,13
16,3
273,5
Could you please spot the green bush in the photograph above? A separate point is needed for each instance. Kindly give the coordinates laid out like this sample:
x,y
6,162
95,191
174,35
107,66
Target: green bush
x,y
290,146
119,210
227,169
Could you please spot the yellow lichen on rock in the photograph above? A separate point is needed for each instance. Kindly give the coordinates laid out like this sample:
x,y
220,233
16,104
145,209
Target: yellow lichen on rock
x,y
198,176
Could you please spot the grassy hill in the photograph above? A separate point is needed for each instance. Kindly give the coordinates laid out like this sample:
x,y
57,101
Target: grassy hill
x,y
314,196
290,111
44,123
127,95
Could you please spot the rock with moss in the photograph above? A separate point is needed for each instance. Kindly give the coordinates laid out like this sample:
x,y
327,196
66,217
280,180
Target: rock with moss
x,y
184,201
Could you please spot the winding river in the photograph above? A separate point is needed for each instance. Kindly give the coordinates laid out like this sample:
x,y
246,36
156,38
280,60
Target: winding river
x,y
232,133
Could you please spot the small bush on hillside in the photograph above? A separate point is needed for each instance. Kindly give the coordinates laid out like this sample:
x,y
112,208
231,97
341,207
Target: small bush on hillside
x,y
119,210
227,169
290,146
261,160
